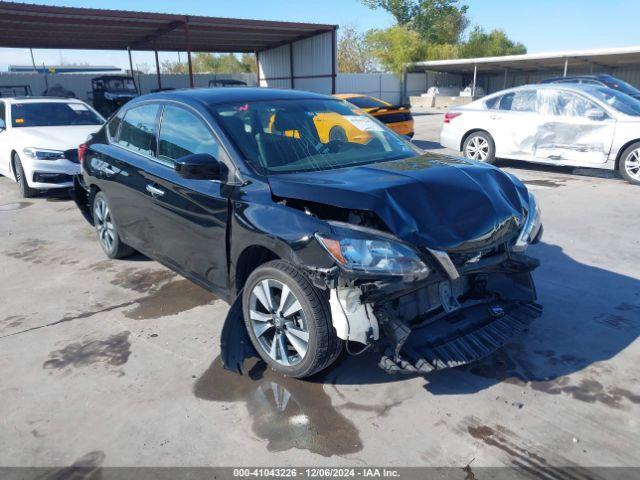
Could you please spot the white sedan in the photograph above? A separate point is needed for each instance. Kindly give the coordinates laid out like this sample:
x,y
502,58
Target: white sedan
x,y
572,125
34,135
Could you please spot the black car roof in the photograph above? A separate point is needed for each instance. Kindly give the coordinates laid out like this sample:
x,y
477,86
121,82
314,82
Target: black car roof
x,y
217,96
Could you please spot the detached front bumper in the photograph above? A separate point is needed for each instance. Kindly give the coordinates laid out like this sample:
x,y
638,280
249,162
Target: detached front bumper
x,y
444,320
460,339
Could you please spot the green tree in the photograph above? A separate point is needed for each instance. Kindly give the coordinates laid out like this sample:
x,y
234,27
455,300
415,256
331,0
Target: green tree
x,y
402,10
492,44
395,47
213,63
437,21
353,53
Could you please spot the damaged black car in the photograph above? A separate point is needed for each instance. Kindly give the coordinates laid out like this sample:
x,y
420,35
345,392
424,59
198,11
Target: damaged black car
x,y
320,242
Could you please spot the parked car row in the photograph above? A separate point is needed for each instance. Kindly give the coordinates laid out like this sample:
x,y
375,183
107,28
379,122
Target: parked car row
x,y
324,241
567,124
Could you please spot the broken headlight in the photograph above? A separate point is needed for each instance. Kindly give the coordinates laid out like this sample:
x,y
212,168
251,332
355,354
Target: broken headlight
x,y
367,250
531,227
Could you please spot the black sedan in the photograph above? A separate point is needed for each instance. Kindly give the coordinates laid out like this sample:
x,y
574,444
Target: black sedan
x,y
319,244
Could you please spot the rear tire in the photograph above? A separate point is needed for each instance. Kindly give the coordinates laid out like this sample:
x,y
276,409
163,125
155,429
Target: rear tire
x,y
21,179
107,230
629,166
295,337
479,146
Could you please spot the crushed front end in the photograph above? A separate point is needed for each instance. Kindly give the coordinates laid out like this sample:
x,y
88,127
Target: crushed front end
x,y
467,302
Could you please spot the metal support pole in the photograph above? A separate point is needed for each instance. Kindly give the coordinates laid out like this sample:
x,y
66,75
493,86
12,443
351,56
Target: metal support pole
x,y
404,94
334,47
33,61
257,67
191,84
186,31
131,70
505,78
158,71
475,75
291,72
566,65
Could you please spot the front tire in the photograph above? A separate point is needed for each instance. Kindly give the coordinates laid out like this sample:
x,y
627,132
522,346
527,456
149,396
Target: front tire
x,y
107,230
21,179
629,166
479,146
288,320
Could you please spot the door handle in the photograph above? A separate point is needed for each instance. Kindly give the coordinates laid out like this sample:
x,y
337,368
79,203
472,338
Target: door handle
x,y
155,191
495,117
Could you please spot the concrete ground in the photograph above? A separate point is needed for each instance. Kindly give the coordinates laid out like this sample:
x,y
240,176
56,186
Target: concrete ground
x,y
115,363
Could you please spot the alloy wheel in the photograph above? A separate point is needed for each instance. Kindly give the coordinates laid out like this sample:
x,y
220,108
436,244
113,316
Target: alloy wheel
x,y
478,148
104,224
632,164
279,322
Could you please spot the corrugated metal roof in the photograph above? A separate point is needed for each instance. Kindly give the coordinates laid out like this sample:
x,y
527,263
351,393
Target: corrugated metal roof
x,y
606,57
40,26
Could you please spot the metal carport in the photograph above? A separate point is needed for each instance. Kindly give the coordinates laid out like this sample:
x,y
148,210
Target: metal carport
x,y
40,26
534,66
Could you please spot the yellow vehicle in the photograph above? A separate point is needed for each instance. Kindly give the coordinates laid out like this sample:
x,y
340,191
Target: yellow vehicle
x,y
332,126
397,117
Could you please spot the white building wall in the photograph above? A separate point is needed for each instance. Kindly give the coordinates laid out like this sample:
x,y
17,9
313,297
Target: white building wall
x,y
308,61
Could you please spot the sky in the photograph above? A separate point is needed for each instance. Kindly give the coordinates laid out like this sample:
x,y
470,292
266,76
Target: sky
x,y
542,25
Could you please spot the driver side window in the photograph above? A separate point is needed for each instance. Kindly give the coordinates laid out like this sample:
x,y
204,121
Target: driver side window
x,y
182,134
3,118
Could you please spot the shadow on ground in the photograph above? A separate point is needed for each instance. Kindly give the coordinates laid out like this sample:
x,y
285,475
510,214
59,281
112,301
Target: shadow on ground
x,y
590,316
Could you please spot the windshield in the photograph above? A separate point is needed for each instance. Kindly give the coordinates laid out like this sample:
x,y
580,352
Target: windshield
x,y
367,102
286,136
618,84
618,100
52,114
120,85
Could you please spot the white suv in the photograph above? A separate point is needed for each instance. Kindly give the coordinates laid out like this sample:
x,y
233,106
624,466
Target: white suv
x,y
34,135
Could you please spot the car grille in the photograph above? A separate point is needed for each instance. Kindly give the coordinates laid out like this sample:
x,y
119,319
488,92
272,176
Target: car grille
x,y
394,117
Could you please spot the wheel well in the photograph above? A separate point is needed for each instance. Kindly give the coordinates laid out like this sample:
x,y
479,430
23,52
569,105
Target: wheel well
x,y
12,162
466,135
622,149
250,259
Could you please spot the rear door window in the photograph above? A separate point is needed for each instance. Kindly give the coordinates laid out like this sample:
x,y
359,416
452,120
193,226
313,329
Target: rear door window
x,y
137,132
3,115
182,133
520,101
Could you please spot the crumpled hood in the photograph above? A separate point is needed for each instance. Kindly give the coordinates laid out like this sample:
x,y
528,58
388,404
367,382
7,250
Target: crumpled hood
x,y
53,138
431,200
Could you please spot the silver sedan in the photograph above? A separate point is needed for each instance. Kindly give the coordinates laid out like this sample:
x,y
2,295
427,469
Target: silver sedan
x,y
572,125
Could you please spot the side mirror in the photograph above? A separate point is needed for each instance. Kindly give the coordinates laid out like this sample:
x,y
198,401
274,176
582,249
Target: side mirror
x,y
198,166
595,114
